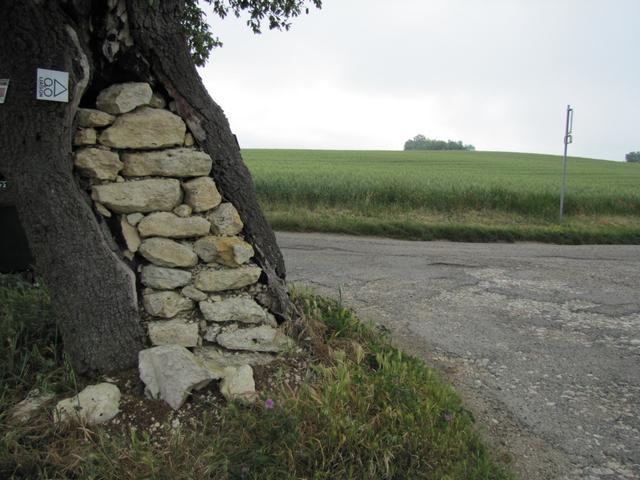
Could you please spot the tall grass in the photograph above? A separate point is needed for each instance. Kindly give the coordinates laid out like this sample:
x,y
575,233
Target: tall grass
x,y
366,411
525,184
31,354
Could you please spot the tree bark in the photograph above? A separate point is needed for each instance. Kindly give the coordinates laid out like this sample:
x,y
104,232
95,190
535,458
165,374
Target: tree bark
x,y
93,288
93,291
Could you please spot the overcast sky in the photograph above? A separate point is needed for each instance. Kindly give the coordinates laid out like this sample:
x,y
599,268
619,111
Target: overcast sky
x,y
370,74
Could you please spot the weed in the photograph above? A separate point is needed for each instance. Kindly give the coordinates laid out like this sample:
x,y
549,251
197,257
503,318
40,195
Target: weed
x,y
369,411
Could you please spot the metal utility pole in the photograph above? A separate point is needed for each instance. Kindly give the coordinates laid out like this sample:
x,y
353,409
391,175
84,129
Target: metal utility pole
x,y
568,138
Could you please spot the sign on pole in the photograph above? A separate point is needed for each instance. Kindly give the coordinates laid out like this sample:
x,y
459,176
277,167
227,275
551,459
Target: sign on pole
x,y
568,138
52,85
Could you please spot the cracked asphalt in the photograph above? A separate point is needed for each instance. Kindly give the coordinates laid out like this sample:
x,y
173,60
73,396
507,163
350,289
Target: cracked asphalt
x,y
542,341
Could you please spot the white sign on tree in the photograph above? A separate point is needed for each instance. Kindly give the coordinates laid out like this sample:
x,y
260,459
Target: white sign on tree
x,y
4,86
52,85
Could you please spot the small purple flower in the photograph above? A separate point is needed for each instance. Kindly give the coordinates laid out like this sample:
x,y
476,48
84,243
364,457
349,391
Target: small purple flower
x,y
448,416
269,404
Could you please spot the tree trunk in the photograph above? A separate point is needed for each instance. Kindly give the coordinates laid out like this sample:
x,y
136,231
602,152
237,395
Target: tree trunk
x,y
93,288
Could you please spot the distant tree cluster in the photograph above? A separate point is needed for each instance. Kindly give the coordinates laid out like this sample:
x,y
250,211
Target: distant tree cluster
x,y
420,142
633,157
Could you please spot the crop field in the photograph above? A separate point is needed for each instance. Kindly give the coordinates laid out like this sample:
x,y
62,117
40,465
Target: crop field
x,y
448,194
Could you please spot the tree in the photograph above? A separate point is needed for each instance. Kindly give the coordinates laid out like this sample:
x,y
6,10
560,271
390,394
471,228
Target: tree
x,y
632,157
420,142
100,43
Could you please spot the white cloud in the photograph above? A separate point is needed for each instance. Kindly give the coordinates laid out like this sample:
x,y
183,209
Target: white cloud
x,y
368,74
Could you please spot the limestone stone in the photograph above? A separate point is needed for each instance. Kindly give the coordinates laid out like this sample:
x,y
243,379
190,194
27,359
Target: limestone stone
x,y
210,280
162,278
167,253
97,163
235,309
145,128
165,224
217,359
134,218
27,408
211,332
124,97
145,196
94,405
91,118
201,194
130,235
157,101
102,210
183,210
85,136
225,220
171,372
258,339
173,332
238,384
166,304
193,293
173,162
188,140
229,251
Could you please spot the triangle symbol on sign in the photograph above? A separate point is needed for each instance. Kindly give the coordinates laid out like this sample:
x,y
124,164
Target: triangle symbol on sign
x,y
58,88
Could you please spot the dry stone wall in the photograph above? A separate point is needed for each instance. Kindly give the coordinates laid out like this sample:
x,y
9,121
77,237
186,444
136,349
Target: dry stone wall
x,y
196,276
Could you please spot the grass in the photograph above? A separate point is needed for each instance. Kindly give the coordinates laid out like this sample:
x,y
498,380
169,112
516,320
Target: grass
x,y
472,196
366,411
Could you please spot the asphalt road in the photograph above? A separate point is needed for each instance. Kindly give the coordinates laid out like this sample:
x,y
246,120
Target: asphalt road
x,y
542,341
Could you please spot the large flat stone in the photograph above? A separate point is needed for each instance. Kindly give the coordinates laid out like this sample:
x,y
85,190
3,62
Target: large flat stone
x,y
94,405
229,251
235,309
173,332
225,220
219,280
166,304
130,235
217,360
167,253
165,224
238,384
124,97
85,136
97,163
171,372
193,293
256,339
90,118
174,162
145,128
141,196
162,278
201,194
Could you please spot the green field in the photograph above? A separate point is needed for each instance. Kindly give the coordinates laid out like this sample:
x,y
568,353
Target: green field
x,y
454,195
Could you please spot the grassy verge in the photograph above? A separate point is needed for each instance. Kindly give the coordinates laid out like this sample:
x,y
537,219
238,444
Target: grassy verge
x,y
365,410
470,196
470,227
